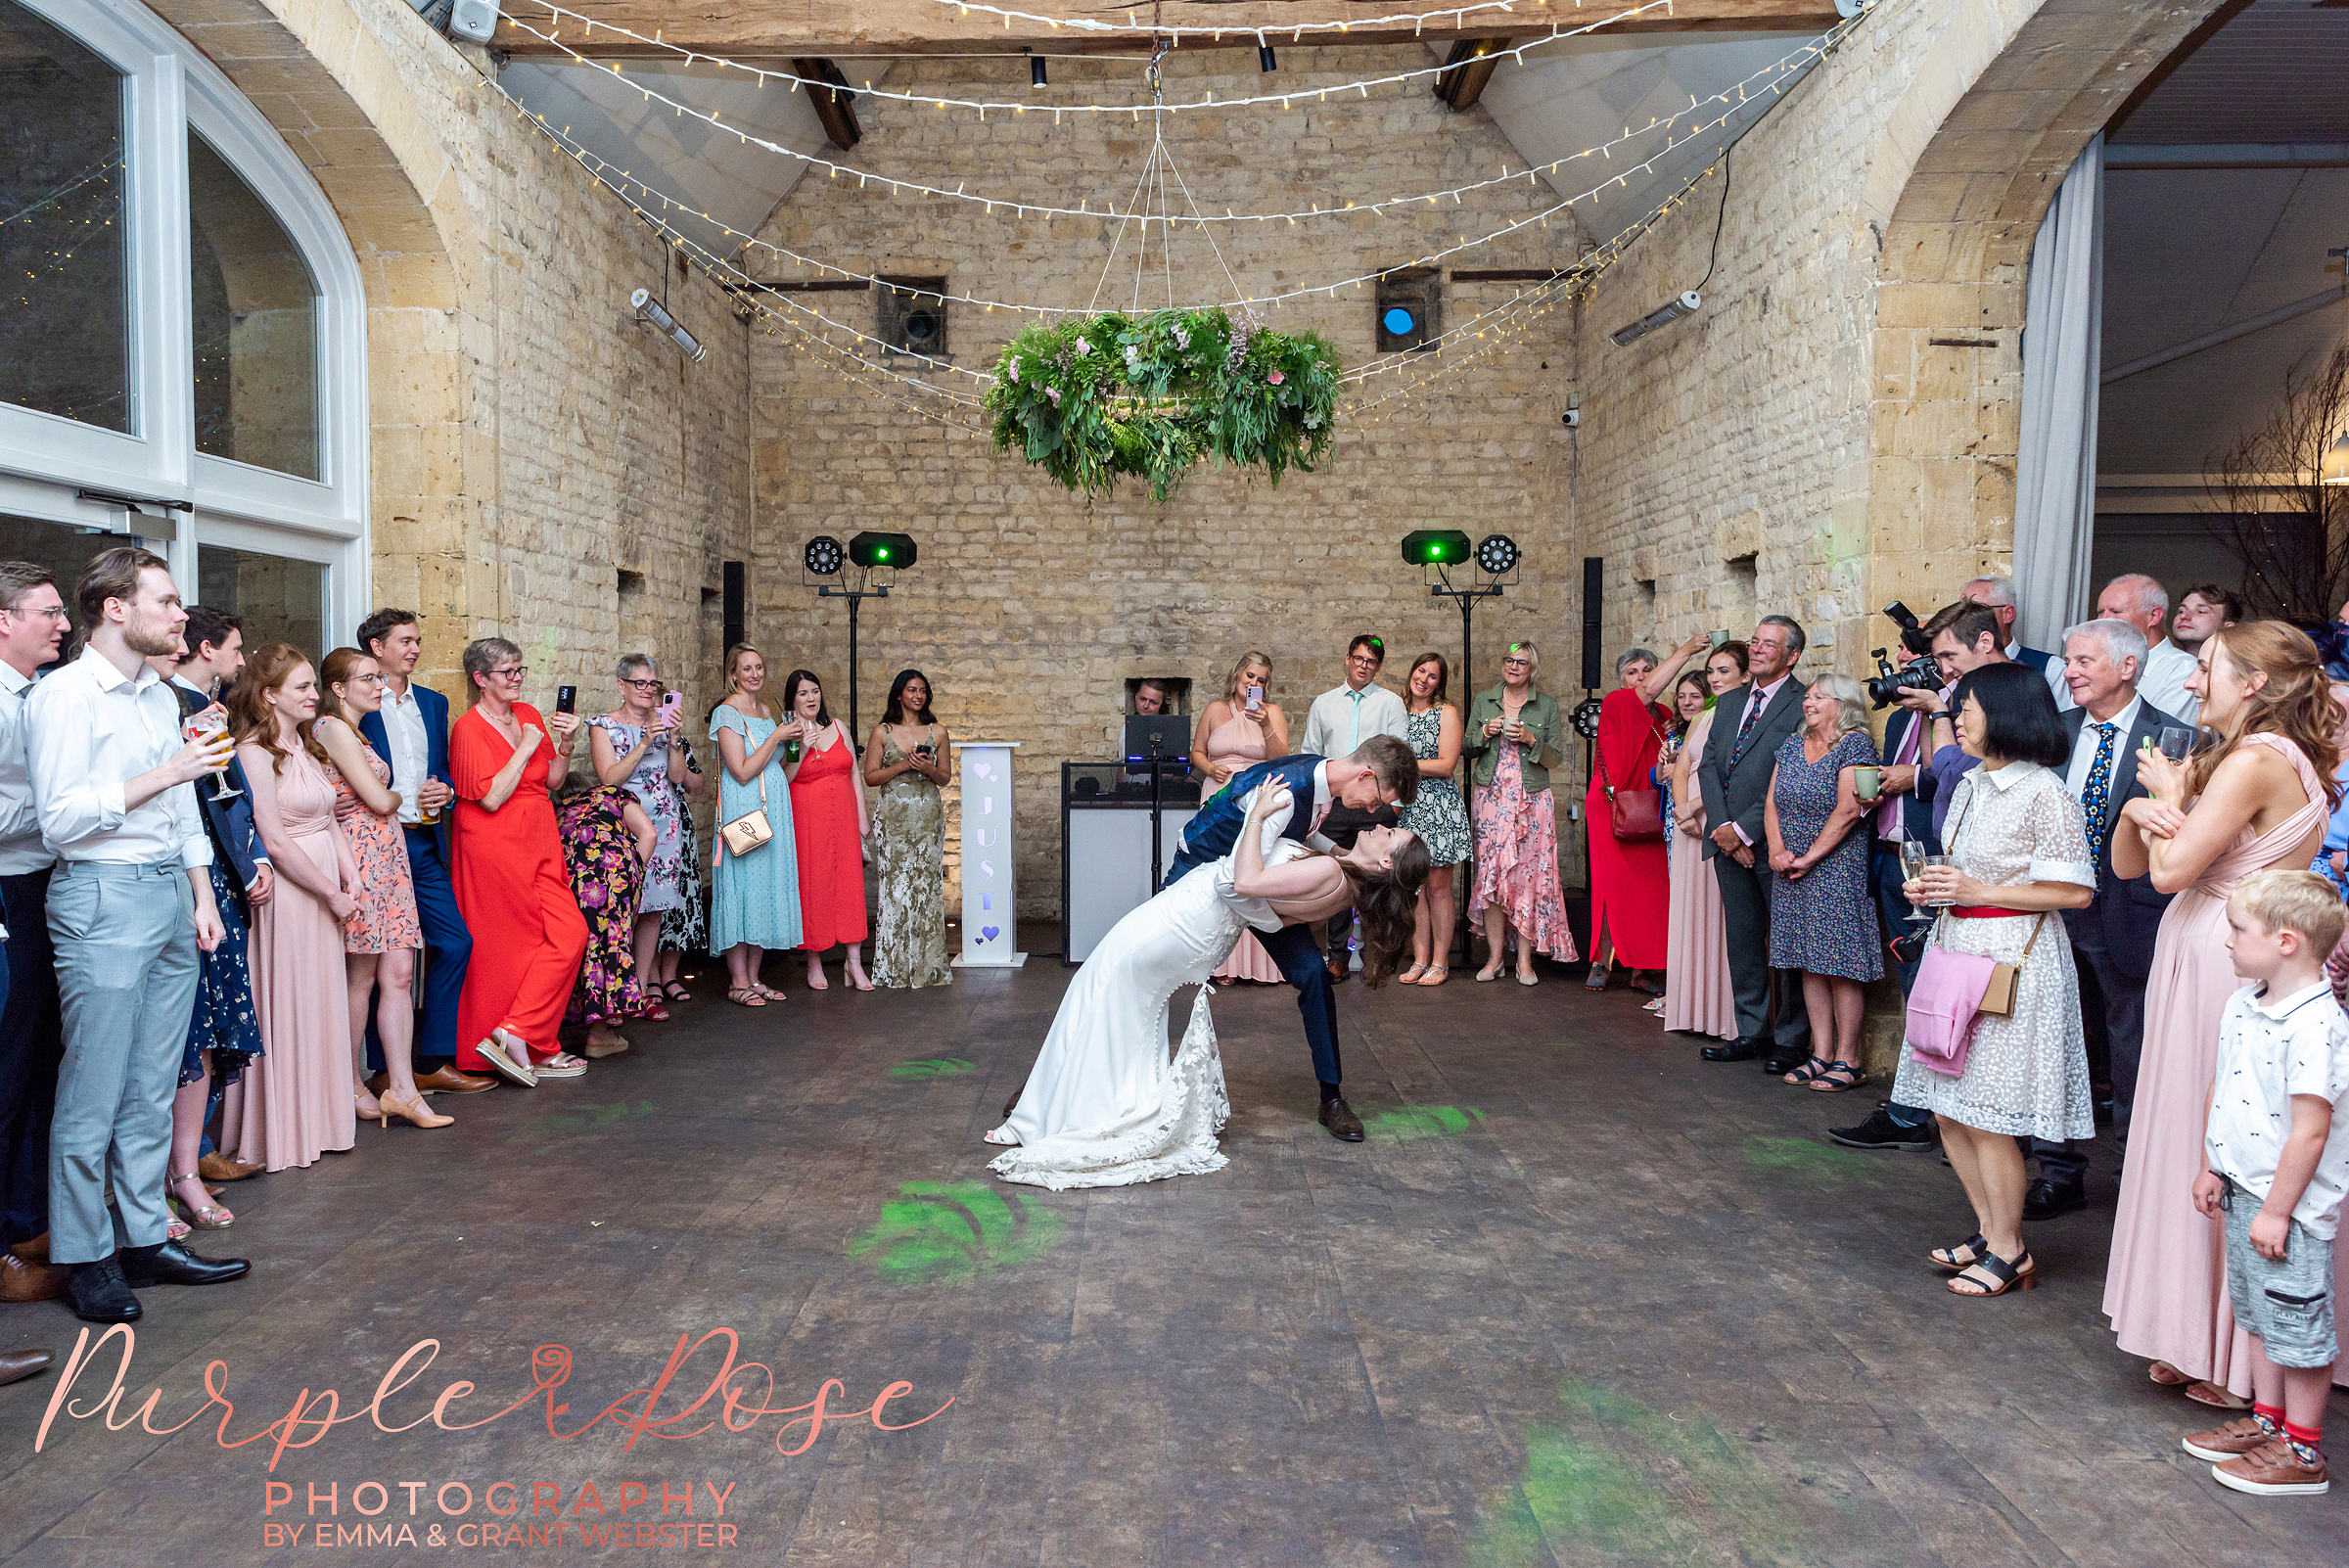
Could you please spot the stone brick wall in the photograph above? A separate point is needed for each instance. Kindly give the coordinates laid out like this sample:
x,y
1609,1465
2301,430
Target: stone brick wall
x,y
1031,609
543,468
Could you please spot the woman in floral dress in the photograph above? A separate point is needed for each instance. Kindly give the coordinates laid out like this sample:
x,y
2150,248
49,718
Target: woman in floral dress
x,y
379,942
906,762
635,746
1515,728
608,840
1438,816
1818,835
684,929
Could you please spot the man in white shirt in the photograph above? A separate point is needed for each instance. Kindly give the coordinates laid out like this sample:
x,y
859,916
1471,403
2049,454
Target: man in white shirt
x,y
2144,604
130,905
1339,722
32,624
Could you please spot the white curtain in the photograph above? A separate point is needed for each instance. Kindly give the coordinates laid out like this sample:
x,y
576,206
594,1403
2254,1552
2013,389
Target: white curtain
x,y
2056,474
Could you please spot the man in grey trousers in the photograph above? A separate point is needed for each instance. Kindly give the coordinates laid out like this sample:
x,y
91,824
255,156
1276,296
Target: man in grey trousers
x,y
129,905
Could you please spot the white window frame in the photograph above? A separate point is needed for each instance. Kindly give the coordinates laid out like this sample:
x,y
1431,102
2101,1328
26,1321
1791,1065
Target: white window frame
x,y
171,89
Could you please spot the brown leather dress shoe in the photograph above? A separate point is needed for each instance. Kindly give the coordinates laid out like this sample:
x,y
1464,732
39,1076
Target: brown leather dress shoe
x,y
19,1364
34,1251
219,1167
450,1079
21,1281
1338,970
1343,1124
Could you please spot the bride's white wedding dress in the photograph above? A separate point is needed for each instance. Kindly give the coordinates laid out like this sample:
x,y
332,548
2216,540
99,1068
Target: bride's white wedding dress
x,y
1103,1106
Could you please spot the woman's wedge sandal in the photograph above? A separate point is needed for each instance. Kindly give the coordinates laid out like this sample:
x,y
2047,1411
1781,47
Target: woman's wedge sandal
x,y
2020,1275
1973,1246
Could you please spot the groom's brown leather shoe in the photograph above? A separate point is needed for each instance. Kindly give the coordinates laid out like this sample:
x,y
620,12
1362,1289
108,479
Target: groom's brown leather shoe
x,y
1343,1124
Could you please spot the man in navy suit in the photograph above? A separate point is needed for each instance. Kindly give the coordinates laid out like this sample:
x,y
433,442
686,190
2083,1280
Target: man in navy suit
x,y
410,732
2112,939
1382,771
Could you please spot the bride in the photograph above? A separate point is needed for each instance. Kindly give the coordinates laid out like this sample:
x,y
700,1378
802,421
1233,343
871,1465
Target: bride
x,y
1103,1107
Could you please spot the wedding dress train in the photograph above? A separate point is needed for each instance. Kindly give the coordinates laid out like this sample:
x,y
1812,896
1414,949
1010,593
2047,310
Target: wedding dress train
x,y
1104,1106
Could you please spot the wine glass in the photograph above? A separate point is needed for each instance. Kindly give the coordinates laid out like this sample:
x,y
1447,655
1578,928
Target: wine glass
x,y
1912,866
211,721
2176,741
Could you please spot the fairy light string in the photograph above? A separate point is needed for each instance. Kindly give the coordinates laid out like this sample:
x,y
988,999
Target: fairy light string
x,y
1734,96
1361,86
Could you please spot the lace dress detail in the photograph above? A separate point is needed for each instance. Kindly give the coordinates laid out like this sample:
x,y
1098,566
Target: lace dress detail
x,y
2025,1074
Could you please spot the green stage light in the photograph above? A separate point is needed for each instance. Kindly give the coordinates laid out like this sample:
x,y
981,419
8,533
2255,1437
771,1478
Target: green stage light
x,y
1435,547
896,551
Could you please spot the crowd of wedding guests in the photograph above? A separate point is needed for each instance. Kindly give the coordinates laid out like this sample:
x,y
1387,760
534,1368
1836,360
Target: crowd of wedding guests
x,y
242,890
2109,881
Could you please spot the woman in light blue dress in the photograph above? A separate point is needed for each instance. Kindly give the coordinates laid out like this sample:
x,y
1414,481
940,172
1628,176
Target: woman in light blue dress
x,y
755,900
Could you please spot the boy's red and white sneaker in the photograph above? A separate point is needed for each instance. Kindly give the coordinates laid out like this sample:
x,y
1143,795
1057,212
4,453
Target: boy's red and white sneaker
x,y
2273,1470
2222,1443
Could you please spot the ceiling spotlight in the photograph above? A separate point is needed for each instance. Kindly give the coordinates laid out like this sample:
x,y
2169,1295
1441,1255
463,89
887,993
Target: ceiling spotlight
x,y
2336,461
823,556
1498,554
893,550
1263,57
1427,547
649,309
1036,68
1664,315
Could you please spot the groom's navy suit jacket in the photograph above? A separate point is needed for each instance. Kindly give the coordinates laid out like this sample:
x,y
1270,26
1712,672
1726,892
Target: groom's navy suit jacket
x,y
1215,832
1212,834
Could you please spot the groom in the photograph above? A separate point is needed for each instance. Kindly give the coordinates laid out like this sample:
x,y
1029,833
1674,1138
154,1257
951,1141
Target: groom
x,y
1383,769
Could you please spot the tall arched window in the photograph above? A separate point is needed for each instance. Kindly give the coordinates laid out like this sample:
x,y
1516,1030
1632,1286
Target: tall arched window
x,y
182,332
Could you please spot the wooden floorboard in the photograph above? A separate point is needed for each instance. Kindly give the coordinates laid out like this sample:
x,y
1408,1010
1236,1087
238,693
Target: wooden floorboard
x,y
1581,1299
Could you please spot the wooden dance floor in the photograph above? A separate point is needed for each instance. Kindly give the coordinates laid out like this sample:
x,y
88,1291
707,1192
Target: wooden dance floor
x,y
1580,1299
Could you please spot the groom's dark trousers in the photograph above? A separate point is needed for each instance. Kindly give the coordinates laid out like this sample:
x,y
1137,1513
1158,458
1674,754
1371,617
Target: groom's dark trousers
x,y
1211,836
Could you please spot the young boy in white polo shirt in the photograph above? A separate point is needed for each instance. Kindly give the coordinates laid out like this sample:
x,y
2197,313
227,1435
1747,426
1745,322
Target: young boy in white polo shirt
x,y
2276,1143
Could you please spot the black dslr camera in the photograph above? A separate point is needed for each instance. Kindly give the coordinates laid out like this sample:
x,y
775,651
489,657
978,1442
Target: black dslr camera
x,y
1920,673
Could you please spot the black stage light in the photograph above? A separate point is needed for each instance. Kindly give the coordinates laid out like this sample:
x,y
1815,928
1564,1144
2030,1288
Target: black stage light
x,y
822,557
1498,554
896,551
1036,71
1264,58
1435,547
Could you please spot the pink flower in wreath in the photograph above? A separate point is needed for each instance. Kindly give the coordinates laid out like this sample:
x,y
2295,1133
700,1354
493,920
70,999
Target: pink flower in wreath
x,y
1083,348
1276,378
1053,393
1015,371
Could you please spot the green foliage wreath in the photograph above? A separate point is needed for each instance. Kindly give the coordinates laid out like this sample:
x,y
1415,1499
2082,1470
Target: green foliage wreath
x,y
1087,400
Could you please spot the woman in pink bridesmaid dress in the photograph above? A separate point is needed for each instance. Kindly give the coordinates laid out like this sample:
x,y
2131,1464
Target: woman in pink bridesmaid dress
x,y
1697,994
1230,737
2256,798
301,1098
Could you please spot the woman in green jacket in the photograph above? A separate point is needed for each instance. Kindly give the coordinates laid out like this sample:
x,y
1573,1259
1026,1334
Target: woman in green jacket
x,y
1514,732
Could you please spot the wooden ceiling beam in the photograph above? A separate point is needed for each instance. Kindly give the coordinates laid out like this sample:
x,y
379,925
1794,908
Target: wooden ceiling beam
x,y
749,30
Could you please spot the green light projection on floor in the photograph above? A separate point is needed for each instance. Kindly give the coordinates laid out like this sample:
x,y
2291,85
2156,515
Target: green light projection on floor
x,y
949,1232
1409,1122
937,1067
581,1119
1805,1158
1617,1482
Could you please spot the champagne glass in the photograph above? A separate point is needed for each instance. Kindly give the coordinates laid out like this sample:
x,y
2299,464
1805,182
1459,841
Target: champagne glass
x,y
1912,866
211,722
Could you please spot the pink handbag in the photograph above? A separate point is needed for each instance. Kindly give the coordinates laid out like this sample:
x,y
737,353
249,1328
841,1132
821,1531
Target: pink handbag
x,y
1943,1005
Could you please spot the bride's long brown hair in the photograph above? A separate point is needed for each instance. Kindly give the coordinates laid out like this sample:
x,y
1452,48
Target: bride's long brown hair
x,y
1388,902
2295,702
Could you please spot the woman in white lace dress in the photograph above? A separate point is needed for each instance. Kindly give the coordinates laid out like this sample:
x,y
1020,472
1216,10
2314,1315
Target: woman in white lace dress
x,y
1103,1107
2020,858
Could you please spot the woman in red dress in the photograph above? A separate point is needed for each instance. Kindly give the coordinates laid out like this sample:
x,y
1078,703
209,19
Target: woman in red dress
x,y
508,872
828,829
1630,880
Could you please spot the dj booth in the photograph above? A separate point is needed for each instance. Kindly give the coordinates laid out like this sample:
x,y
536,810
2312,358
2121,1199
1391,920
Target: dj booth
x,y
1107,863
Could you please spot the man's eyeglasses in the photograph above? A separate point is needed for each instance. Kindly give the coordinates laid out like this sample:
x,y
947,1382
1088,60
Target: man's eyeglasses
x,y
1365,659
43,611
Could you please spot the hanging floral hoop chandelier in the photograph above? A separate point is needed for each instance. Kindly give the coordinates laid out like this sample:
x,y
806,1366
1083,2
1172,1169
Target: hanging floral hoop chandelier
x,y
1149,395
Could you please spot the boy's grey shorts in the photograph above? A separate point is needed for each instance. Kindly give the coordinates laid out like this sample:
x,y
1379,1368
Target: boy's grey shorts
x,y
2289,1304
